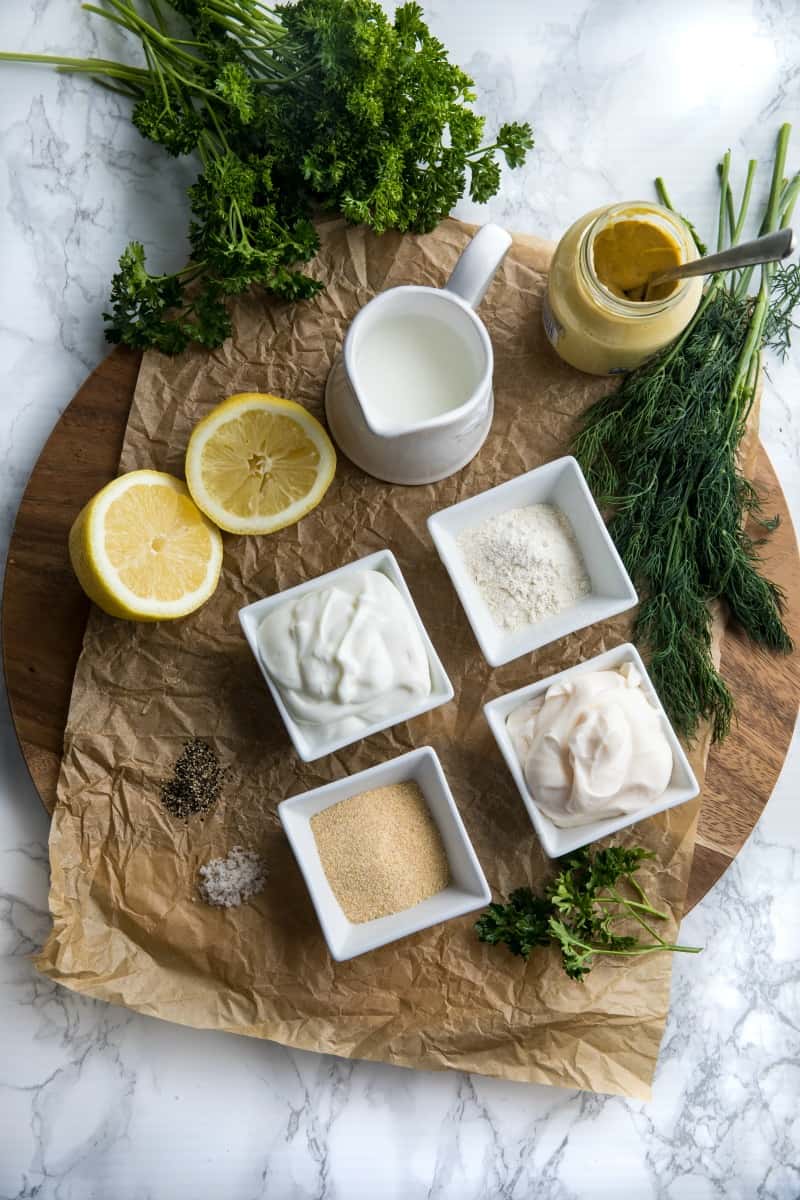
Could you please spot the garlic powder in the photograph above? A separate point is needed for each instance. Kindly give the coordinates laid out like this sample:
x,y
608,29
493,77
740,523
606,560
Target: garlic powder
x,y
526,564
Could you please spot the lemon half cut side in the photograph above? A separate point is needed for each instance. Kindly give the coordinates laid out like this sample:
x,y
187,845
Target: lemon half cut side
x,y
257,463
143,551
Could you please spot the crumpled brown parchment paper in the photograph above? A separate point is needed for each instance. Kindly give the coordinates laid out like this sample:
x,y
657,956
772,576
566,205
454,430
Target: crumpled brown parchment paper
x,y
127,924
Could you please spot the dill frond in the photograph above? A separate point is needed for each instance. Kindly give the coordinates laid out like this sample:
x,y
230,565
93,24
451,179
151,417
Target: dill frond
x,y
661,453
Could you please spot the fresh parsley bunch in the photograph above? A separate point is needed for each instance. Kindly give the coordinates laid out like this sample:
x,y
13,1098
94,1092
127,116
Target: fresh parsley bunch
x,y
318,104
579,912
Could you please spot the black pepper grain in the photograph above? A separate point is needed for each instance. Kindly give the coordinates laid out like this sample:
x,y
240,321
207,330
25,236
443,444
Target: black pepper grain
x,y
196,781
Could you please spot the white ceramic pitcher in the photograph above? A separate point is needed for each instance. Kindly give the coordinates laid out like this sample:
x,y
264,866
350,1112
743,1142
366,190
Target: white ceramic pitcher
x,y
434,447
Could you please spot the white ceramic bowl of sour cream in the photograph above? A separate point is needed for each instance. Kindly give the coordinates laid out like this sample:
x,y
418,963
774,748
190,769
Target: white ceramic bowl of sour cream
x,y
556,841
562,484
315,741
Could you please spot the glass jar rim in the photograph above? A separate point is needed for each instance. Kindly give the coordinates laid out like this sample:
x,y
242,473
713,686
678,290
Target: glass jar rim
x,y
619,305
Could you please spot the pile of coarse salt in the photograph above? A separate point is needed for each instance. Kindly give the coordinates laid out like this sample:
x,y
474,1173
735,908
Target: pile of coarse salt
x,y
228,882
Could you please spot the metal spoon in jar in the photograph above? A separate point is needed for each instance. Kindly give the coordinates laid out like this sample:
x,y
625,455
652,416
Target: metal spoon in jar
x,y
769,248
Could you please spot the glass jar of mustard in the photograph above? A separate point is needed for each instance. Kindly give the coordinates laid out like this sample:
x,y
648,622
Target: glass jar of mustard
x,y
598,312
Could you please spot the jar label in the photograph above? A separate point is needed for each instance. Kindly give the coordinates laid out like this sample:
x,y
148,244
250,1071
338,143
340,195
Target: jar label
x,y
551,325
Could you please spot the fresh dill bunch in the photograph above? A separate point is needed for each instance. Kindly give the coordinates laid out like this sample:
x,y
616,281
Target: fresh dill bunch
x,y
661,454
784,298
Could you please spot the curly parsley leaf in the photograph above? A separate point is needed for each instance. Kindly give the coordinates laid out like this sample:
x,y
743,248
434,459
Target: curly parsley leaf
x,y
579,912
320,103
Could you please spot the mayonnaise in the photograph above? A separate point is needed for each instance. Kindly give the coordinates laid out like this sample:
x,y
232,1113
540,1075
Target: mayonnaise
x,y
594,747
347,655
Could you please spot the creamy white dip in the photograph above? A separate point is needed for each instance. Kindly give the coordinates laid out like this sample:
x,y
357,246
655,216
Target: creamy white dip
x,y
592,747
347,655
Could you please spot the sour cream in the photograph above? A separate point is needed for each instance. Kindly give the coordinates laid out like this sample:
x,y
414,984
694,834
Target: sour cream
x,y
347,655
592,748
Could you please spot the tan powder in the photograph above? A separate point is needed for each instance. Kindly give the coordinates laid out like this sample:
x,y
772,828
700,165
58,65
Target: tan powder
x,y
381,851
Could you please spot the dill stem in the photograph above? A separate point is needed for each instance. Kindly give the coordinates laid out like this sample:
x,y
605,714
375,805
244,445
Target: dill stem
x,y
740,220
745,204
724,171
789,199
663,194
730,213
737,225
772,217
776,191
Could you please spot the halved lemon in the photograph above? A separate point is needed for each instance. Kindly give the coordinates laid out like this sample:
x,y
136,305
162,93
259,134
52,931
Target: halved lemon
x,y
142,550
257,463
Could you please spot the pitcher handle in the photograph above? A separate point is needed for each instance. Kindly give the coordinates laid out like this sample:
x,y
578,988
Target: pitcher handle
x,y
475,268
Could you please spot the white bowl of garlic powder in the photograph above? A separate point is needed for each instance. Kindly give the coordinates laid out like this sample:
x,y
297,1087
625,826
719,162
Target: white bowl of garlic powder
x,y
531,561
463,888
680,782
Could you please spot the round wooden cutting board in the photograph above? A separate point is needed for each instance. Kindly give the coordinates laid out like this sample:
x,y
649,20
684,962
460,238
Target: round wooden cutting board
x,y
44,616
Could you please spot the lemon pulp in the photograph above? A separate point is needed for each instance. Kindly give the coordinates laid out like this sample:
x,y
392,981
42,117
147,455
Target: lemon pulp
x,y
142,550
257,463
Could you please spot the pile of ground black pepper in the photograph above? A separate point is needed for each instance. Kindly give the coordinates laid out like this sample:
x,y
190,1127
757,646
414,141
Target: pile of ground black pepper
x,y
196,781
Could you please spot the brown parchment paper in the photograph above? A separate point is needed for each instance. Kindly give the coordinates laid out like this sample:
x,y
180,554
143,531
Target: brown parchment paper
x,y
127,924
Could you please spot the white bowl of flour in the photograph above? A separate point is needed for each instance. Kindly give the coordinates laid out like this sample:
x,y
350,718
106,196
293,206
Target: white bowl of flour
x,y
531,561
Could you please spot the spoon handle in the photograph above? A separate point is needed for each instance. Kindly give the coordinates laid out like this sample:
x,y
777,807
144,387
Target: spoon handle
x,y
747,254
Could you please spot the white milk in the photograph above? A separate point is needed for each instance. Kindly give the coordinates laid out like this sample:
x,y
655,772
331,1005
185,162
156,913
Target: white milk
x,y
411,368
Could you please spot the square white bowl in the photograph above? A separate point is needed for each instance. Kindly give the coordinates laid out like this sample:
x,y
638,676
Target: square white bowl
x,y
310,745
467,891
555,841
561,483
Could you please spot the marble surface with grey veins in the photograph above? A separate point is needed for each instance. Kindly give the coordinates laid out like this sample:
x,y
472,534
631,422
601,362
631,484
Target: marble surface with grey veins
x,y
97,1102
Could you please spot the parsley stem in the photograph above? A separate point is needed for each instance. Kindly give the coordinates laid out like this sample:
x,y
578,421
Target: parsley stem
x,y
637,951
159,16
130,19
217,126
128,92
615,898
632,951
102,66
637,887
631,912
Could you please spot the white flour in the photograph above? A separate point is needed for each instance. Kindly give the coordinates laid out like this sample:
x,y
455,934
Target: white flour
x,y
526,564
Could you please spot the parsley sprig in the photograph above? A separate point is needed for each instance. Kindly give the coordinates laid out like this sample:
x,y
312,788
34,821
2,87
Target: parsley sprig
x,y
580,911
322,103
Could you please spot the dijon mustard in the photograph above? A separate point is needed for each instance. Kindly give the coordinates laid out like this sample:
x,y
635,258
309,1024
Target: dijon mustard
x,y
600,314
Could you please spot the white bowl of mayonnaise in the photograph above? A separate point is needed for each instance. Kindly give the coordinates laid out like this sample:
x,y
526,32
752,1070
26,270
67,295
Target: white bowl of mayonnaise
x,y
591,750
345,655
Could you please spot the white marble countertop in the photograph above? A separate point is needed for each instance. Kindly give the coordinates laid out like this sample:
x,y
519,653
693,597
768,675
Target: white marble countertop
x,y
98,1102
